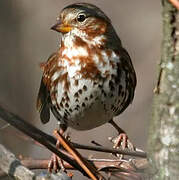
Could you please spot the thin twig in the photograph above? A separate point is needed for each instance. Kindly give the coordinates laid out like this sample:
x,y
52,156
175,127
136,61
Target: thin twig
x,y
136,153
110,150
88,168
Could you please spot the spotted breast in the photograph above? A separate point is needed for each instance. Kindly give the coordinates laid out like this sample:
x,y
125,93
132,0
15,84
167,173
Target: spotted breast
x,y
90,79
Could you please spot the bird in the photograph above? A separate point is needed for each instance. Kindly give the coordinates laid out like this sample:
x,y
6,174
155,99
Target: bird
x,y
90,79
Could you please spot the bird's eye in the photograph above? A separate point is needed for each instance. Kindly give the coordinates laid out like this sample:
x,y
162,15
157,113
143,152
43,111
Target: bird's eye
x,y
81,17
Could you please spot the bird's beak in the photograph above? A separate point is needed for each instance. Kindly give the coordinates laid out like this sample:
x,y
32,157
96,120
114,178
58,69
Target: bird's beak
x,y
60,27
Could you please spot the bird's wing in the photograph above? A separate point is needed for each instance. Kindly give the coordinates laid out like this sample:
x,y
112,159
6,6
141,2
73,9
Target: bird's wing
x,y
131,80
43,100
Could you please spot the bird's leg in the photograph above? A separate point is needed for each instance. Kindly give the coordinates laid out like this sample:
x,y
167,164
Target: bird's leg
x,y
122,139
55,162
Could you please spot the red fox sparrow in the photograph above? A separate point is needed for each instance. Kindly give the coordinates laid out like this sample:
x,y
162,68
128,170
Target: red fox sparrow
x,y
90,79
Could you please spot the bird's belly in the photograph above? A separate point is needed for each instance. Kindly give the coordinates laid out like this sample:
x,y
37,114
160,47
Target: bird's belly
x,y
87,104
93,116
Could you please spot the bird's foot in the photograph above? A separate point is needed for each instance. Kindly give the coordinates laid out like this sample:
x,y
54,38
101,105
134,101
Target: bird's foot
x,y
55,164
122,141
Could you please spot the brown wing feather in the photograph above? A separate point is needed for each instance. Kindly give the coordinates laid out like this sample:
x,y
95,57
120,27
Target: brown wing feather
x,y
131,78
43,103
43,100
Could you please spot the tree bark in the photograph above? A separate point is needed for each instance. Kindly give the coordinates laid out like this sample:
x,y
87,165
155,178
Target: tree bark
x,y
13,167
163,144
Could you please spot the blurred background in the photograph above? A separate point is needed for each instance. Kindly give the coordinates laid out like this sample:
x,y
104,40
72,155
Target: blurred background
x,y
26,40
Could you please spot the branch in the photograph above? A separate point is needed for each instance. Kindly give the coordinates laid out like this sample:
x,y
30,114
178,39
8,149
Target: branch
x,y
116,168
37,134
13,167
107,165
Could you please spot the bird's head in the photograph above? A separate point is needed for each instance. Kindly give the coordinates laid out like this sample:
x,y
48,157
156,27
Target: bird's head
x,y
84,17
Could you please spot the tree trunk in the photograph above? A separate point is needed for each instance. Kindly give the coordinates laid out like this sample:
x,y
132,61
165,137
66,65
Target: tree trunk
x,y
164,130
